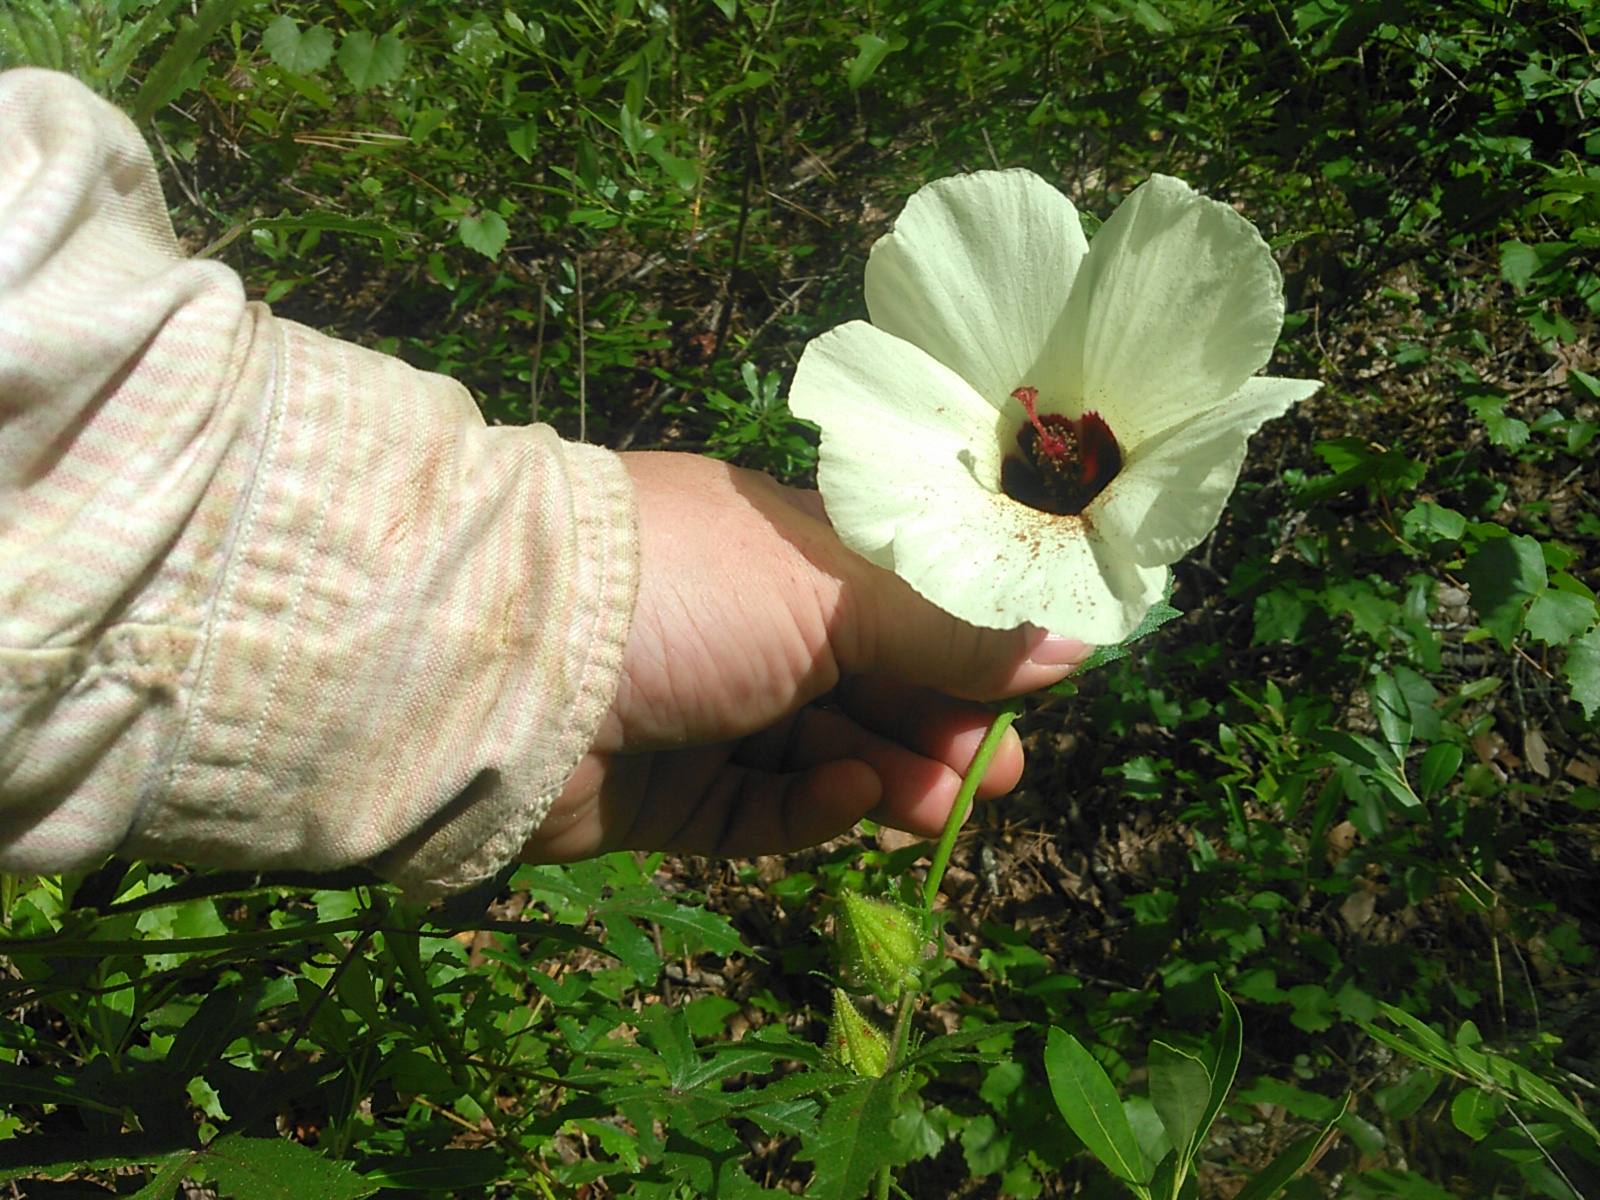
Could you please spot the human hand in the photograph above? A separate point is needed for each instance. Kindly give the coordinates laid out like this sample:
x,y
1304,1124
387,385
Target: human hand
x,y
777,688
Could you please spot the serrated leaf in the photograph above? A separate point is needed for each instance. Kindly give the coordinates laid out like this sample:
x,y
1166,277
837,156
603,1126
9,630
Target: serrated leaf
x,y
1430,522
164,1184
1091,1107
486,232
370,61
45,1085
1155,617
1556,617
1519,262
955,1045
707,928
851,1143
1279,616
182,64
442,1170
298,51
276,1169
58,1154
1582,671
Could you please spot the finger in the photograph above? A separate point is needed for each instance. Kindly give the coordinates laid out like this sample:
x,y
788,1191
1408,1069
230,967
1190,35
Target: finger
x,y
935,726
806,500
917,787
748,812
882,626
817,736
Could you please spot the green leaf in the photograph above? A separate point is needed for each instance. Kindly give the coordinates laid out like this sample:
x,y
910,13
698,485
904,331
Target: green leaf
x,y
1519,262
368,61
1509,432
486,233
276,1169
1399,1100
58,1154
699,925
299,51
183,64
332,223
1389,705
681,171
1279,615
1158,615
1504,573
1473,1112
1090,1104
852,1140
43,1085
164,1184
1556,617
1429,522
952,1047
1227,1047
1180,1089
1582,670
871,50
1277,1174
1439,767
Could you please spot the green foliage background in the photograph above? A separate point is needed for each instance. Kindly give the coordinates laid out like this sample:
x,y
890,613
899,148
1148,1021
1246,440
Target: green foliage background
x,y
1355,784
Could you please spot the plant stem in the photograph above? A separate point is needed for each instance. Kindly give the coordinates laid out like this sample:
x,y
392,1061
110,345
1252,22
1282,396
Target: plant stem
x,y
941,859
1008,713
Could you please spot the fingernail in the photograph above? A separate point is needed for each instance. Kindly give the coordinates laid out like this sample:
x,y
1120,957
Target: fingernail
x,y
1057,651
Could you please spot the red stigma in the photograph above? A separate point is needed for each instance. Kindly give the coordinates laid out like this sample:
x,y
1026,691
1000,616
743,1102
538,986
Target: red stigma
x,y
1052,445
1060,464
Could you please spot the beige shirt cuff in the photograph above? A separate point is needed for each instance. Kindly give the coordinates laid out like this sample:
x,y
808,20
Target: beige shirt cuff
x,y
270,599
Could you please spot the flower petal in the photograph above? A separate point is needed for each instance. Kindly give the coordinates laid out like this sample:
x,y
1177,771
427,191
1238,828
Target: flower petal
x,y
1173,487
909,472
1177,303
899,430
977,272
997,563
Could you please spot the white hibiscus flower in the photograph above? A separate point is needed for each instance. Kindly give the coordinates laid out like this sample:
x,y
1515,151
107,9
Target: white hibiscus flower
x,y
1032,428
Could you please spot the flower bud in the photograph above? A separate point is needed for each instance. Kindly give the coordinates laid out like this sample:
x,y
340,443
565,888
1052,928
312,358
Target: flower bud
x,y
855,1042
880,943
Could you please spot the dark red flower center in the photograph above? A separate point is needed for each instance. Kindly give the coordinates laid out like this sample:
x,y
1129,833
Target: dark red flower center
x,y
1059,464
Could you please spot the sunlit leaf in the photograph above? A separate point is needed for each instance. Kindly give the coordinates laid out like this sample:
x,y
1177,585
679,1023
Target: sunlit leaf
x,y
1089,1102
301,51
370,61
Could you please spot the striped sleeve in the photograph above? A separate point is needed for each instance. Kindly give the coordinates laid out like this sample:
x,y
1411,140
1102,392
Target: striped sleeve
x,y
267,599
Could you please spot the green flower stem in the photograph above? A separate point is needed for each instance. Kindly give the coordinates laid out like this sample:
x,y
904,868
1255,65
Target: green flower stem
x,y
1009,711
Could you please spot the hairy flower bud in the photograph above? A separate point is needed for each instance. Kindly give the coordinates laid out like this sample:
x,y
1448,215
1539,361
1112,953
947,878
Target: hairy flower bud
x,y
855,1042
880,943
